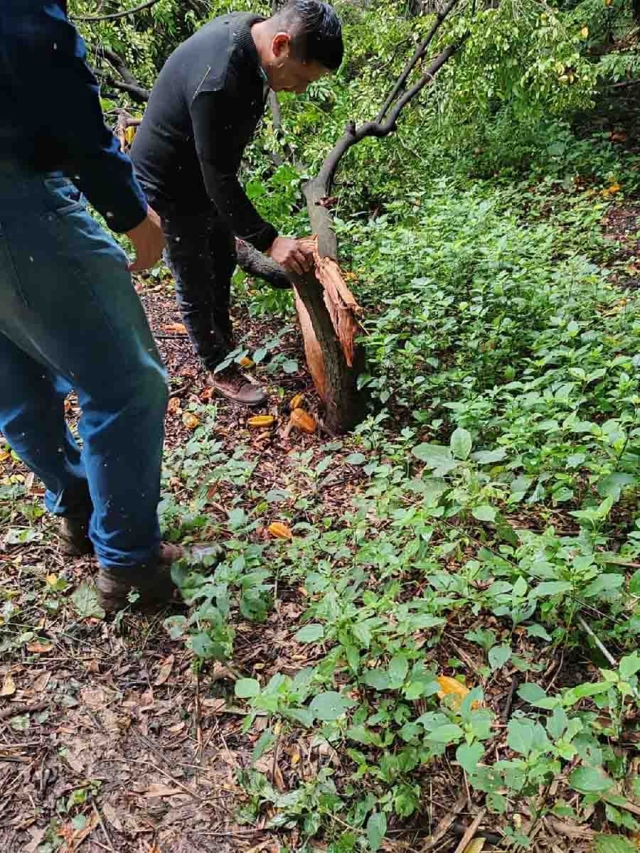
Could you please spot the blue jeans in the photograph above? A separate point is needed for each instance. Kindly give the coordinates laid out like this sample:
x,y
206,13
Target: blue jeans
x,y
70,318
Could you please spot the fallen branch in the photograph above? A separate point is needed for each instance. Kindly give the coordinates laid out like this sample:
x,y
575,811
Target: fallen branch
x,y
112,17
471,831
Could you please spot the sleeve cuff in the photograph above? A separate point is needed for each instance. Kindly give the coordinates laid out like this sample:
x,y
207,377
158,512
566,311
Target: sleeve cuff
x,y
264,238
127,220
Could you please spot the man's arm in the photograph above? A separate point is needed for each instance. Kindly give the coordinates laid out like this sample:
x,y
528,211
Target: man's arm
x,y
212,112
47,57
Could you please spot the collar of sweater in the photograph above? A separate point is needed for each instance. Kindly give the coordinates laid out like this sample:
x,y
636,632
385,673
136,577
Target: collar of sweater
x,y
246,44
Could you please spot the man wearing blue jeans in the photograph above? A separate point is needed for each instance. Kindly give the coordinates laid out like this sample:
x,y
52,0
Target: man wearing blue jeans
x,y
69,315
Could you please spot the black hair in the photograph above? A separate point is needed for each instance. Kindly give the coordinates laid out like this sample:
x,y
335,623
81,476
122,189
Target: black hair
x,y
315,30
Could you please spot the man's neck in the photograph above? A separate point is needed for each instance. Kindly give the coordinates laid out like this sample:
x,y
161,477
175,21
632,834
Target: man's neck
x,y
262,35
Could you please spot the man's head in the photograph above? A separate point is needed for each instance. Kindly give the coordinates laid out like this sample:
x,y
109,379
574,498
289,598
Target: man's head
x,y
299,44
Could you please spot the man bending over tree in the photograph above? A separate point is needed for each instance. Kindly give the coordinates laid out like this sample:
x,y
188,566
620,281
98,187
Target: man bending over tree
x,y
202,113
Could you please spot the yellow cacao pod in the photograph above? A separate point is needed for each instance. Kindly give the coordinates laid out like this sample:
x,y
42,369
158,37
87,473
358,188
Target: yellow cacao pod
x,y
246,363
261,421
296,402
303,421
190,420
280,531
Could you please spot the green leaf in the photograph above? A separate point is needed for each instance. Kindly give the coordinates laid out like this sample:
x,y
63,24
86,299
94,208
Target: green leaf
x,y
246,688
398,669
469,755
376,830
604,583
379,679
613,844
330,706
549,588
264,744
486,457
538,631
449,733
521,736
590,780
435,456
629,666
79,822
290,366
531,693
613,485
484,513
356,459
86,602
634,583
20,723
260,355
498,656
309,634
461,443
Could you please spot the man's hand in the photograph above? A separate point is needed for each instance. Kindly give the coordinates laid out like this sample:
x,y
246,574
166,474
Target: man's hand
x,y
291,254
148,241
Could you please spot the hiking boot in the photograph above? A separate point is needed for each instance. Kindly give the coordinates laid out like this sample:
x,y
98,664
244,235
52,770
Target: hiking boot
x,y
234,385
152,582
74,536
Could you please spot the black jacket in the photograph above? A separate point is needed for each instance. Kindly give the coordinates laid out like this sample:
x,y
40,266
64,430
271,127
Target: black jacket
x,y
202,113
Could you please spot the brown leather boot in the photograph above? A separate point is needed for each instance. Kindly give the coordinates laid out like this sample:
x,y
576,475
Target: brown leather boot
x,y
234,385
152,582
74,536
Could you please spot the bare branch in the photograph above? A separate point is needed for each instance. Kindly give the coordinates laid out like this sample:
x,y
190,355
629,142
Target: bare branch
x,y
115,15
417,56
354,134
261,266
138,94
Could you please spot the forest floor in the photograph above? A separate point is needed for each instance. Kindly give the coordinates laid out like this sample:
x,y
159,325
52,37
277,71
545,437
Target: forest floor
x,y
111,739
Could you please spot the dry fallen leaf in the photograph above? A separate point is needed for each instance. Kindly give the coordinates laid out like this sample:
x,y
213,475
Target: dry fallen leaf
x,y
165,670
246,363
109,811
476,846
158,789
8,686
175,328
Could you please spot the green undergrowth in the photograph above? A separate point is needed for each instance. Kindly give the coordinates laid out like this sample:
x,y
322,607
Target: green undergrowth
x,y
492,530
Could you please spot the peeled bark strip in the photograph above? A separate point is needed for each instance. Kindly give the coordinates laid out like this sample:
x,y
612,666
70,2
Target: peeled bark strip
x,y
327,313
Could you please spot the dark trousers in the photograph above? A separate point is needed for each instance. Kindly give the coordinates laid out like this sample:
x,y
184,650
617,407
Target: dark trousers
x,y
201,255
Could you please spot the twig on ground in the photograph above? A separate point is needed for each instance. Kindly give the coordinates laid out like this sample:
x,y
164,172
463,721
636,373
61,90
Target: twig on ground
x,y
471,831
507,705
443,827
102,826
598,642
